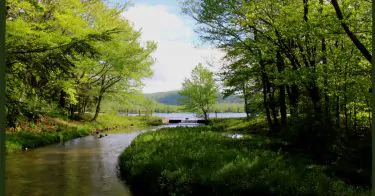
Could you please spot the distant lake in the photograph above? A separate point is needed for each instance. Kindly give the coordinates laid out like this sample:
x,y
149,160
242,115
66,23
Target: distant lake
x,y
192,116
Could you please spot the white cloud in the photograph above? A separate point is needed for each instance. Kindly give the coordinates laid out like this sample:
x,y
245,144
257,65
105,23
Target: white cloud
x,y
176,55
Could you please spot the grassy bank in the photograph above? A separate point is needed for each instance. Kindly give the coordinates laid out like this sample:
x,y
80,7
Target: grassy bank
x,y
348,158
202,160
239,125
50,130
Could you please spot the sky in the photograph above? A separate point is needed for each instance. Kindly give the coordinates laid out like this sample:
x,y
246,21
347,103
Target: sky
x,y
179,47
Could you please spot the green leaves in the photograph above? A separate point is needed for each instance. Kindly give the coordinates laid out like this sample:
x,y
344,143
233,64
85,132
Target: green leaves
x,y
199,92
69,52
294,53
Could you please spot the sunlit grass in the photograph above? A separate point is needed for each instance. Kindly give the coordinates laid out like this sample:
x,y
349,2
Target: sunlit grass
x,y
191,161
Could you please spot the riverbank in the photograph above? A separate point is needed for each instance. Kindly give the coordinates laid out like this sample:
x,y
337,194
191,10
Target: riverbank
x,y
208,160
53,129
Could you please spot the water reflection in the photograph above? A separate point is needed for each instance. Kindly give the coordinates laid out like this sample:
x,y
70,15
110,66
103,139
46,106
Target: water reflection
x,y
84,166
191,116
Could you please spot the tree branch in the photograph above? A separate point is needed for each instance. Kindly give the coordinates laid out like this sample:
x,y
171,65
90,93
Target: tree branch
x,y
351,35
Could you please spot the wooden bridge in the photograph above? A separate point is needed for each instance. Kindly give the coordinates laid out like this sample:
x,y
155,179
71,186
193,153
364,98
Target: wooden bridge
x,y
199,121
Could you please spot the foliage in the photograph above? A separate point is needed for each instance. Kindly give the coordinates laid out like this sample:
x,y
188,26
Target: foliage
x,y
293,55
190,161
307,63
199,92
228,107
168,102
68,55
25,139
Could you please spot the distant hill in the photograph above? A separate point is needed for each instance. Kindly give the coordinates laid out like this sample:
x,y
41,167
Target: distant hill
x,y
172,98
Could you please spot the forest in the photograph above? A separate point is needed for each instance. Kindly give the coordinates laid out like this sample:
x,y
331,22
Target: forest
x,y
300,57
308,63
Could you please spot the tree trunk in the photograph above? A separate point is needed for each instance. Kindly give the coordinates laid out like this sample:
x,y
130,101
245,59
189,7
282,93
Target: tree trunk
x,y
265,92
245,99
272,105
346,101
62,99
205,115
85,106
312,87
97,110
71,108
355,117
350,34
325,72
346,116
369,111
280,68
315,98
338,112
82,109
282,105
325,75
293,96
267,110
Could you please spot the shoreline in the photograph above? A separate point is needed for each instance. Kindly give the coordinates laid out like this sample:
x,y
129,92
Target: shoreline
x,y
56,130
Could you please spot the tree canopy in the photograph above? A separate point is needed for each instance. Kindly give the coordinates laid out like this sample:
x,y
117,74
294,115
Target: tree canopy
x,y
68,55
199,92
296,54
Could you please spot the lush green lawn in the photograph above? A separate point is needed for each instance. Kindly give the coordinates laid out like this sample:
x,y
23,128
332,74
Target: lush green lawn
x,y
203,161
51,130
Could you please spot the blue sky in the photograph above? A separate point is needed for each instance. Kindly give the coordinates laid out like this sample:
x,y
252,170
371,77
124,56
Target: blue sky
x,y
177,54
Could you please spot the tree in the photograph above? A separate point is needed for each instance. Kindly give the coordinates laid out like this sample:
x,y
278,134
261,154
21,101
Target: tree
x,y
68,55
308,59
42,59
199,92
289,63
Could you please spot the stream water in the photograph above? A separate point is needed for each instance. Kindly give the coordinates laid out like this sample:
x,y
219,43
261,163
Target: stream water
x,y
83,166
193,116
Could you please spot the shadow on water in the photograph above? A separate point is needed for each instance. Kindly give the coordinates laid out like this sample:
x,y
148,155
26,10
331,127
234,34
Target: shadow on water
x,y
83,166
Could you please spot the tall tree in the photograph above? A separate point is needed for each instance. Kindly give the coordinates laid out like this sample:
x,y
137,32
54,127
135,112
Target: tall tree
x,y
69,53
199,92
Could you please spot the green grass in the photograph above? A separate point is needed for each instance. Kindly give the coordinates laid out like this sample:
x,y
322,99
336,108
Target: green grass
x,y
122,123
24,139
50,130
202,161
243,125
